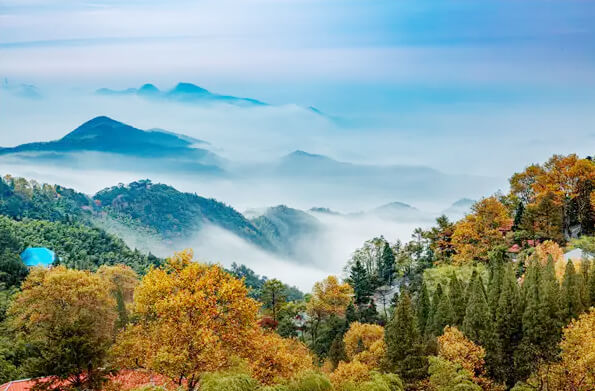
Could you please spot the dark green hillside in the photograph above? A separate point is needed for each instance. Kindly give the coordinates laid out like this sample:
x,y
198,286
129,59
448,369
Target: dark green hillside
x,y
174,214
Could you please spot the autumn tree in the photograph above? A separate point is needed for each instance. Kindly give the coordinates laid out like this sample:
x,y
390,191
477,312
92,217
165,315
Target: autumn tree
x,y
365,343
455,347
191,318
122,281
575,370
67,318
480,231
329,296
447,375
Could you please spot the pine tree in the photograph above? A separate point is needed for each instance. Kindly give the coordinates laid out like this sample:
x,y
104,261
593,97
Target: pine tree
x,y
527,354
496,269
403,343
444,315
477,323
457,299
360,281
436,297
423,307
549,312
584,283
592,286
507,330
388,264
337,353
350,314
570,296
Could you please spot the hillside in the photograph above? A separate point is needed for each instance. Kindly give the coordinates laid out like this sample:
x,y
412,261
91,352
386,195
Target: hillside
x,y
173,214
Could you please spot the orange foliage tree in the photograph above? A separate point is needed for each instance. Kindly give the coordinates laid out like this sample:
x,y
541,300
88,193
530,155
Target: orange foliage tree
x,y
480,231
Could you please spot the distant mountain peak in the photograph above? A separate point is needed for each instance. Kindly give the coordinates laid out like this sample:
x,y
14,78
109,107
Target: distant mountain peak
x,y
463,202
188,88
299,154
148,89
396,205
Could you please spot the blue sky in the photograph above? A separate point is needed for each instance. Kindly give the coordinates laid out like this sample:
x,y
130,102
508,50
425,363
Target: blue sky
x,y
478,73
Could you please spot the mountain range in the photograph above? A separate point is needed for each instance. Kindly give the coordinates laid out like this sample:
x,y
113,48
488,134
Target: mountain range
x,y
182,92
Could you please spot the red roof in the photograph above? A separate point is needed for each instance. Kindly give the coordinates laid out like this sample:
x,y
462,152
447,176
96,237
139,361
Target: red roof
x,y
514,249
125,379
20,385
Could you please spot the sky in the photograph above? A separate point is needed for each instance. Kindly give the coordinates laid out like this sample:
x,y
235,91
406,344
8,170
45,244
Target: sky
x,y
468,87
453,79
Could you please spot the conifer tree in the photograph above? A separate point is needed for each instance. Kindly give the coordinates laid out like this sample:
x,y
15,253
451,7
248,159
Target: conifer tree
x,y
496,270
477,322
527,354
507,330
403,342
423,307
592,286
337,353
360,281
549,311
444,315
457,299
350,314
570,296
436,297
584,283
388,265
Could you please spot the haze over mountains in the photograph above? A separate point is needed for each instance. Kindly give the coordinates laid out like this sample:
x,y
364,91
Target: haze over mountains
x,y
182,92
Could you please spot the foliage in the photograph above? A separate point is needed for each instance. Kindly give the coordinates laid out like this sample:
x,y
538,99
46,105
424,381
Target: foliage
x,y
273,296
222,381
480,231
454,346
365,343
450,376
67,318
190,319
575,370
329,297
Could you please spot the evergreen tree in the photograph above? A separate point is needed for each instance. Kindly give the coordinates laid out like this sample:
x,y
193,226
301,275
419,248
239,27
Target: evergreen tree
x,y
423,307
507,330
388,265
584,283
592,286
368,313
404,353
549,312
527,354
360,281
337,353
436,298
571,303
457,299
444,315
477,323
496,270
350,314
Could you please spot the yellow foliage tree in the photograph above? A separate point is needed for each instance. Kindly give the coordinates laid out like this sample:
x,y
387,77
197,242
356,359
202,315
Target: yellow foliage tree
x,y
454,346
329,297
576,369
348,374
273,358
191,319
364,342
68,317
480,231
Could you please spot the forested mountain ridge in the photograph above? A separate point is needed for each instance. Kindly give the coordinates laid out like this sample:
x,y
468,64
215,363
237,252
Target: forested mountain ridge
x,y
174,214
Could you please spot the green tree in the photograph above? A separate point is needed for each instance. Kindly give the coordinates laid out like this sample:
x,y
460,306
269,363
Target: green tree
x,y
477,323
423,307
388,264
273,296
570,295
456,295
404,353
449,376
359,279
507,330
443,316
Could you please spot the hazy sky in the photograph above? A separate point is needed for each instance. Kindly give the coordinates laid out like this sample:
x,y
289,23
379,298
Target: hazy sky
x,y
452,84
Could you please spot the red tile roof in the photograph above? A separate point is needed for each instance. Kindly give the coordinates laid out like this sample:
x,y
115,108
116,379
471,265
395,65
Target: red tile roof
x,y
124,380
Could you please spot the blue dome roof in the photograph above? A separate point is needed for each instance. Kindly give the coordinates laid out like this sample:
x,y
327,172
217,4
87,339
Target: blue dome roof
x,y
38,256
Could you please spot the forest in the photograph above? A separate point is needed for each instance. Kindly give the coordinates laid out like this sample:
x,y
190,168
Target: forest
x,y
489,302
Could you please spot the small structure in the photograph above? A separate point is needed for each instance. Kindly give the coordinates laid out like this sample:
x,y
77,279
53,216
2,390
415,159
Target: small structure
x,y
573,255
38,256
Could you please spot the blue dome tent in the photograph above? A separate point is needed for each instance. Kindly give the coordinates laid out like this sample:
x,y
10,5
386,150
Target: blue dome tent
x,y
38,256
